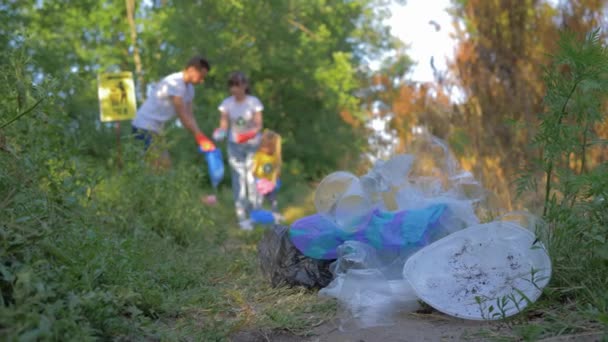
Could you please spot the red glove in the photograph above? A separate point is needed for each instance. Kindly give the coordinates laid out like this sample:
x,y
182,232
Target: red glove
x,y
204,143
246,136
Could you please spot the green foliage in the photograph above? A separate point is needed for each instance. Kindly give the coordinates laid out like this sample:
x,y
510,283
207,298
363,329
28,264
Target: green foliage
x,y
575,194
136,257
90,253
302,58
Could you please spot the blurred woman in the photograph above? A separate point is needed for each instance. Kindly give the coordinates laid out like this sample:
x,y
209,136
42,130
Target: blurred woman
x,y
241,122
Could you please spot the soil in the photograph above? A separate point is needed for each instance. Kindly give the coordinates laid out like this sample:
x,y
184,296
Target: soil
x,y
409,327
413,327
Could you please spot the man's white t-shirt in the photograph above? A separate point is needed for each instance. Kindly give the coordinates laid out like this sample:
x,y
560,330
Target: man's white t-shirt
x,y
241,115
158,107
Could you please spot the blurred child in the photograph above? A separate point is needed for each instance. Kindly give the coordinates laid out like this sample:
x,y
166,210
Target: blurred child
x,y
267,168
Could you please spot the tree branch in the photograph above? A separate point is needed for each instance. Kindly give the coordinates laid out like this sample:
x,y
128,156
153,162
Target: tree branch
x,y
22,114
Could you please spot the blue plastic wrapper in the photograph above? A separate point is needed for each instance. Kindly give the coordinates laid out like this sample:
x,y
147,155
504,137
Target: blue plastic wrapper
x,y
262,216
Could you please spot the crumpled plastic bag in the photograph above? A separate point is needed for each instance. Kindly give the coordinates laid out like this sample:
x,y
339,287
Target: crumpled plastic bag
x,y
283,264
319,238
368,278
369,291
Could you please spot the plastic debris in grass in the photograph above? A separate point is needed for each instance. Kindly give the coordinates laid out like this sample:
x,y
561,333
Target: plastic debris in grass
x,y
355,214
369,287
283,264
318,237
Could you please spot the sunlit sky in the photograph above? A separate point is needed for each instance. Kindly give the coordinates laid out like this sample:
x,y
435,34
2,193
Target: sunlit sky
x,y
410,23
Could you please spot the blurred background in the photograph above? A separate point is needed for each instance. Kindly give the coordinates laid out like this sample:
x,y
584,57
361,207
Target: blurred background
x,y
344,82
94,244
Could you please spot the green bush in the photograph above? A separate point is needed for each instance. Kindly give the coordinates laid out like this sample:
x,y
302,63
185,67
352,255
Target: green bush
x,y
88,253
575,194
132,248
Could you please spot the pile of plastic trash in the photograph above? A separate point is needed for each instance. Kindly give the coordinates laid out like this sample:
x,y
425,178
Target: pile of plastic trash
x,y
405,233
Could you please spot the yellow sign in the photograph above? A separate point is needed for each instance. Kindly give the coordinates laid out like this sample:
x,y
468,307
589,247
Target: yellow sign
x,y
117,96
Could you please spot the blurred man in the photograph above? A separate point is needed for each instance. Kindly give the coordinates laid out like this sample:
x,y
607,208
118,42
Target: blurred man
x,y
172,97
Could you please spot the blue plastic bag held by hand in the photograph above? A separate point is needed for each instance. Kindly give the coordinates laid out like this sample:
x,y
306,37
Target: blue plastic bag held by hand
x,y
215,165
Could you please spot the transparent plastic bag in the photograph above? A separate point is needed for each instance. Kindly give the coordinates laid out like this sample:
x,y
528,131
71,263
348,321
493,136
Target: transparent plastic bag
x,y
372,281
369,293
341,198
368,281
531,222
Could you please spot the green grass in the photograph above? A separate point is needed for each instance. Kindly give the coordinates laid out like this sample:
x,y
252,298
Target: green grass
x,y
89,252
132,255
575,206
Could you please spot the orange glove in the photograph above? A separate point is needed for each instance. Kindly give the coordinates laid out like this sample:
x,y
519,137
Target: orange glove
x,y
246,136
204,143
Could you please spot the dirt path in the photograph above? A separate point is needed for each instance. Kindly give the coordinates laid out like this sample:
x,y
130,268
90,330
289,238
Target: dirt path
x,y
411,328
408,327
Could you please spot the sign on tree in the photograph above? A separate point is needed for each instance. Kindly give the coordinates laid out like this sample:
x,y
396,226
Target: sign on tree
x,y
116,96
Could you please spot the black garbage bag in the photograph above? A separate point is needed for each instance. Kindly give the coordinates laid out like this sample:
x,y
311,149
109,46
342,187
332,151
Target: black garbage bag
x,y
283,264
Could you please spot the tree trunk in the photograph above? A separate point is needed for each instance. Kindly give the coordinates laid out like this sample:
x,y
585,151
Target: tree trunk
x,y
140,86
